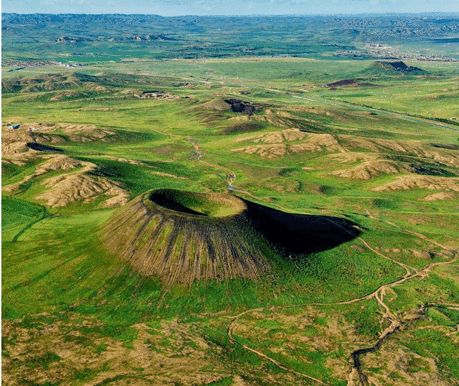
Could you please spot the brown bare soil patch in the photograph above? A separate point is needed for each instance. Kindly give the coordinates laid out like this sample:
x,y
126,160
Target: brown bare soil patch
x,y
58,162
440,196
53,352
286,135
291,141
369,169
317,143
414,148
265,151
352,157
68,188
399,366
420,182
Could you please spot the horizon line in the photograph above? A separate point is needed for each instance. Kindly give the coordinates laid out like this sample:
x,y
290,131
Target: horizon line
x,y
454,13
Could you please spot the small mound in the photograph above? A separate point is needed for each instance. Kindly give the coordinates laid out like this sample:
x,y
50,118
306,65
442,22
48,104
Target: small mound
x,y
69,188
216,104
440,196
283,136
349,83
76,184
369,169
343,83
352,157
157,95
279,144
317,143
78,132
47,82
395,67
265,151
26,143
52,163
420,182
181,236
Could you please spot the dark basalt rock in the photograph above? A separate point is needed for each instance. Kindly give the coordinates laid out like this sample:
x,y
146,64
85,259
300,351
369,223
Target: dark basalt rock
x,y
238,106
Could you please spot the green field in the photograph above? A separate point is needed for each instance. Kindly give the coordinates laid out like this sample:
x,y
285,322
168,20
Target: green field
x,y
381,151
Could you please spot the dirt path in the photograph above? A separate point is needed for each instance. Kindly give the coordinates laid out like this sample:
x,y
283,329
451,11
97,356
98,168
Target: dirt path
x,y
231,337
395,322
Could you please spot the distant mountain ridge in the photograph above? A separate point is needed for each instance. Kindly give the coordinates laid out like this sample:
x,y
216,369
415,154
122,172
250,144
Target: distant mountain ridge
x,y
161,37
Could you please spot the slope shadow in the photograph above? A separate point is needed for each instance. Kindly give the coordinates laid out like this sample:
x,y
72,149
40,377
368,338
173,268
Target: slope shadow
x,y
300,234
167,200
40,147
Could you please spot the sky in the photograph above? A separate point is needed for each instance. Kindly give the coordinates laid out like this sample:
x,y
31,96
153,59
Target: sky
x,y
230,7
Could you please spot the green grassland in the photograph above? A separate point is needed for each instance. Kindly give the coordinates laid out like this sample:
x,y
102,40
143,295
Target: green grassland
x,y
61,285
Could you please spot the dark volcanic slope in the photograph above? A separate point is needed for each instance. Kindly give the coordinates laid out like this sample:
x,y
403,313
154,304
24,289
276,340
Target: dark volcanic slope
x,y
298,233
183,236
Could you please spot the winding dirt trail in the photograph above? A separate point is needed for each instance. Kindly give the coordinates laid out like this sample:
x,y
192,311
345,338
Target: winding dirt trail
x,y
259,353
395,322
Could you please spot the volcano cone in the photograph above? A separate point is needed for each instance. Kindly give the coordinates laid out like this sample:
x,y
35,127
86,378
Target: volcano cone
x,y
183,236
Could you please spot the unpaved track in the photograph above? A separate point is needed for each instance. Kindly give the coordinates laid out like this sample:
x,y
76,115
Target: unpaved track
x,y
259,353
378,294
395,322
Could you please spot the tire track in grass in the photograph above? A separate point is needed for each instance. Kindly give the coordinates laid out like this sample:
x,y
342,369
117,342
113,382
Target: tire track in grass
x,y
44,215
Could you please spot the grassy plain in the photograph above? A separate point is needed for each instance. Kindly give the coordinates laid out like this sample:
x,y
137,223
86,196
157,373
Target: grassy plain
x,y
74,313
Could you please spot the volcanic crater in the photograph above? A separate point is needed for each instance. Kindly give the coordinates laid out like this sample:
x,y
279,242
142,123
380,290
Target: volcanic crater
x,y
182,236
